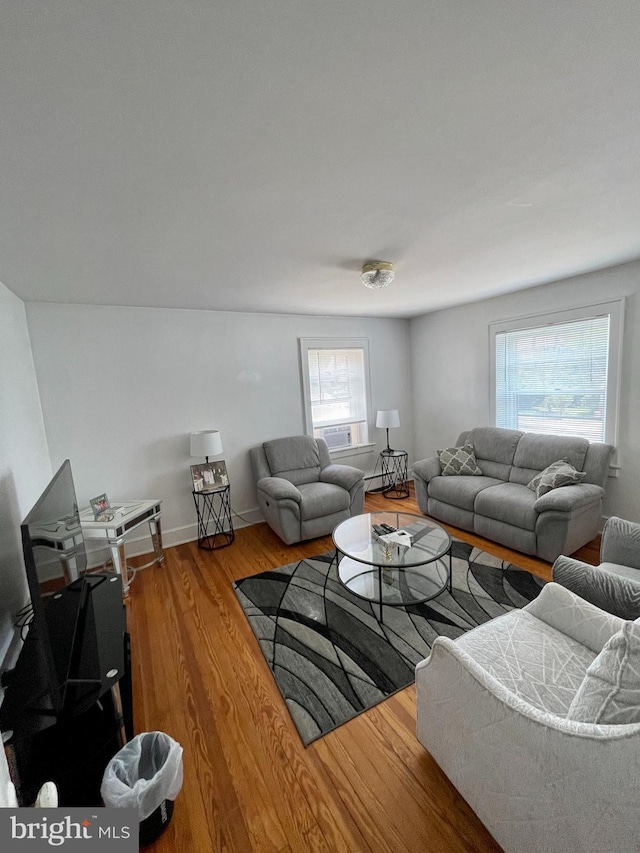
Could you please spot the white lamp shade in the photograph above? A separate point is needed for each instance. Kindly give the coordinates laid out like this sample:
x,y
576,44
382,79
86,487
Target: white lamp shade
x,y
206,443
388,419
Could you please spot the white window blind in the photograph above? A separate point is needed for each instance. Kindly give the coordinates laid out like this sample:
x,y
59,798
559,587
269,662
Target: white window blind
x,y
337,386
553,378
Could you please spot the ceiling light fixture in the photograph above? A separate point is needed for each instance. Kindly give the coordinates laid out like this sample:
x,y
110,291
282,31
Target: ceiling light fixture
x,y
377,274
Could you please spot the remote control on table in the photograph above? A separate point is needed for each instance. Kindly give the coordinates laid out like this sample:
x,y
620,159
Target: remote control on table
x,y
379,529
388,528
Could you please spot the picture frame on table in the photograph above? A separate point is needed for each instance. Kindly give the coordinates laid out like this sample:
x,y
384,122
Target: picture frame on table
x,y
99,505
210,477
102,509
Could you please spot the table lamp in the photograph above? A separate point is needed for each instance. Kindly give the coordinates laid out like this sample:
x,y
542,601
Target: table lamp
x,y
388,419
206,443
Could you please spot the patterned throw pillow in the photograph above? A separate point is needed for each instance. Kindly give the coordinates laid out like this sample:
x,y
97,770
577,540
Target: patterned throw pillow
x,y
560,473
610,692
456,461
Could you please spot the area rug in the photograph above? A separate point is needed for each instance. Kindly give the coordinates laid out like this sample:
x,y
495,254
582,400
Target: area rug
x,y
329,654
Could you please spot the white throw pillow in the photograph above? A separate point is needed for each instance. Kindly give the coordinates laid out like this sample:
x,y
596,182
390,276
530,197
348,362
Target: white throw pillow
x,y
610,691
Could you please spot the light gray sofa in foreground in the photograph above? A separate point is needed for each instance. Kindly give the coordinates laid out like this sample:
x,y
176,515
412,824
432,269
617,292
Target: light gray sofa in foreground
x,y
614,585
504,708
500,506
300,492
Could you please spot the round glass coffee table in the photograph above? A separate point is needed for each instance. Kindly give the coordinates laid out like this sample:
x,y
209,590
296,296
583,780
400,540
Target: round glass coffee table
x,y
387,573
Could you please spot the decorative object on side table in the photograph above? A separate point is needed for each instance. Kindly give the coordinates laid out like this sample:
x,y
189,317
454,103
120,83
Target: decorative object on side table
x,y
209,477
102,509
206,442
388,419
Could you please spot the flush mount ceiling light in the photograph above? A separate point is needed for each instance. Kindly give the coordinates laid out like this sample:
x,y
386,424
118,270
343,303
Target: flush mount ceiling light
x,y
377,274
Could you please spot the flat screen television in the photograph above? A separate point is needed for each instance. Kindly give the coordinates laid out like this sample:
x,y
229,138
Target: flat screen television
x,y
55,560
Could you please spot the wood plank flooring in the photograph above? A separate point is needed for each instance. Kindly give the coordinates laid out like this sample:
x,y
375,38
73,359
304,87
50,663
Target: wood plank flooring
x,y
250,786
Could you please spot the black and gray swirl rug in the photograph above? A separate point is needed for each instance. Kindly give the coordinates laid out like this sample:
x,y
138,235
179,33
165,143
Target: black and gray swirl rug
x,y
330,655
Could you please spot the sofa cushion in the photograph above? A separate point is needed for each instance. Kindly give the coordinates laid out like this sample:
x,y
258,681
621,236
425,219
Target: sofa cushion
x,y
458,461
539,451
490,468
320,499
610,691
560,473
494,443
509,502
538,663
460,491
295,458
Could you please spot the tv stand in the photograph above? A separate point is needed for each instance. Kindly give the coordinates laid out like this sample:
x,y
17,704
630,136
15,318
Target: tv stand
x,y
71,747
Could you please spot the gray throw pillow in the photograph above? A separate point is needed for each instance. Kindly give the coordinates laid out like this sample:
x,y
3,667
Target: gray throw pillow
x,y
610,691
459,461
560,473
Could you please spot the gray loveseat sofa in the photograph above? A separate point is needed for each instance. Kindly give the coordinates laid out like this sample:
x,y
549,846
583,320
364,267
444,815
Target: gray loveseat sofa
x,y
500,506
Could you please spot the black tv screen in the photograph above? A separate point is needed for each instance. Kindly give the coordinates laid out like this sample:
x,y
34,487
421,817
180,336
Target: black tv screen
x,y
55,558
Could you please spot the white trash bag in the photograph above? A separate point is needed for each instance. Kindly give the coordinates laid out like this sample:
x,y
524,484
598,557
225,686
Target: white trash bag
x,y
143,774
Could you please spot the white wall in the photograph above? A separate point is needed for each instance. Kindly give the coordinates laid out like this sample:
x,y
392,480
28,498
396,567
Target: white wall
x,y
24,458
450,368
24,472
122,388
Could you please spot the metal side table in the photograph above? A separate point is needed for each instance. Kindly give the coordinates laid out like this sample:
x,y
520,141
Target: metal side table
x,y
395,474
215,526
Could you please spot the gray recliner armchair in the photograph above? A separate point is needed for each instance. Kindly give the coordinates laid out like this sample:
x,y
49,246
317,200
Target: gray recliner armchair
x,y
301,494
614,585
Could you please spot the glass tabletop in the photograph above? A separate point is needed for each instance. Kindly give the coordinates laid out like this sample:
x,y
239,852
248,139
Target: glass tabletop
x,y
357,539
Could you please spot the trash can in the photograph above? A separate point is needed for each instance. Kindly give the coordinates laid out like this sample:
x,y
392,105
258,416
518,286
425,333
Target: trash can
x,y
145,774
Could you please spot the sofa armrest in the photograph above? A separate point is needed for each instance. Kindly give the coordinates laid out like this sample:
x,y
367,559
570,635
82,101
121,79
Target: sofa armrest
x,y
345,476
563,609
278,489
621,543
427,469
609,591
568,498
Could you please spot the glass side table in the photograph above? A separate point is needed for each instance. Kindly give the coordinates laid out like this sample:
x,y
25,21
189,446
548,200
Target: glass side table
x,y
395,474
215,526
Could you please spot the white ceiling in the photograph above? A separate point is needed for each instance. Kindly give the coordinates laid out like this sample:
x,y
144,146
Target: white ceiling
x,y
250,155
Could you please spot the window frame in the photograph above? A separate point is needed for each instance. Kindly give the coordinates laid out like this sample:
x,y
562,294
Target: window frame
x,y
306,344
615,310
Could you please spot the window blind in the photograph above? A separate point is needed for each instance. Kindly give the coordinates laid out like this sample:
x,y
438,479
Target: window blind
x,y
337,386
553,379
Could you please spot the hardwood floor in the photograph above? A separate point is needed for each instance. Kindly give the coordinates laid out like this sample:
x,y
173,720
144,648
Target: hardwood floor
x,y
250,785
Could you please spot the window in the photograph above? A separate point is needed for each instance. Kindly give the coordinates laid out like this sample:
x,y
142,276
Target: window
x,y
335,379
559,373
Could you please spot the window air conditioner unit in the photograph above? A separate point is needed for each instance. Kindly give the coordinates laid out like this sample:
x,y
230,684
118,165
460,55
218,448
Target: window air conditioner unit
x,y
337,436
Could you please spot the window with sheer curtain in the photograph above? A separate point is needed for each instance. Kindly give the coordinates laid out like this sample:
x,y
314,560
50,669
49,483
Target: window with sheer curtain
x,y
335,382
559,373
